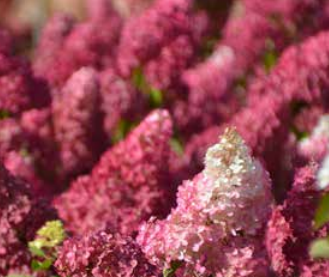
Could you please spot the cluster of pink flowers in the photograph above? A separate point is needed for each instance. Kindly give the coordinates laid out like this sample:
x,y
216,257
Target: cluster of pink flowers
x,y
103,254
110,123
21,215
220,217
131,179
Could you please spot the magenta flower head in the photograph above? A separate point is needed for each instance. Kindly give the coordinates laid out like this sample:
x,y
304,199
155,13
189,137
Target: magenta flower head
x,y
219,220
210,100
22,165
290,229
18,88
128,185
65,47
21,216
77,121
103,254
144,36
50,44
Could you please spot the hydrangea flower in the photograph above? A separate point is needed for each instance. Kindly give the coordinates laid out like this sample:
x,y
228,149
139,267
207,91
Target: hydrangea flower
x,y
103,254
144,37
19,90
129,183
65,47
217,225
290,229
77,121
21,215
208,101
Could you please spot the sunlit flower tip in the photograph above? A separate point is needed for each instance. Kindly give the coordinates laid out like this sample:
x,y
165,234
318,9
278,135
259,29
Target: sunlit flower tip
x,y
323,174
229,157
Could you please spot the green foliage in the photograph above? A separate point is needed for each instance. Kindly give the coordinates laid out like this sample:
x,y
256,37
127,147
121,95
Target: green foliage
x,y
170,272
44,247
298,134
4,114
270,56
320,248
322,213
50,235
122,129
177,146
154,95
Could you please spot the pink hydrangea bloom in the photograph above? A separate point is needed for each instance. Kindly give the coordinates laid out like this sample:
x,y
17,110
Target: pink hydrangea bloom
x,y
144,37
68,48
290,228
164,71
22,165
253,23
77,121
19,90
21,216
217,225
103,254
208,101
317,269
265,129
299,76
50,43
129,184
40,145
11,135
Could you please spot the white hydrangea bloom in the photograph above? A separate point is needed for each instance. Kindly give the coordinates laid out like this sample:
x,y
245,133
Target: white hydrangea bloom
x,y
323,174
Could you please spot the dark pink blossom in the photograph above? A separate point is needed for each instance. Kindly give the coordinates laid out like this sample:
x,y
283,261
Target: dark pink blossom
x,y
77,121
207,84
144,37
217,226
21,216
68,48
129,184
22,165
50,44
103,254
19,90
290,228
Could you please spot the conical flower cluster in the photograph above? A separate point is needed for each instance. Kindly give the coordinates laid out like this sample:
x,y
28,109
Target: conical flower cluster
x,y
218,217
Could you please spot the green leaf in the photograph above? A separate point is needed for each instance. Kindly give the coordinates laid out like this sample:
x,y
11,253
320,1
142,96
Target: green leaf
x,y
156,97
270,56
4,114
177,146
122,129
138,79
320,248
51,234
169,272
41,265
36,251
322,212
